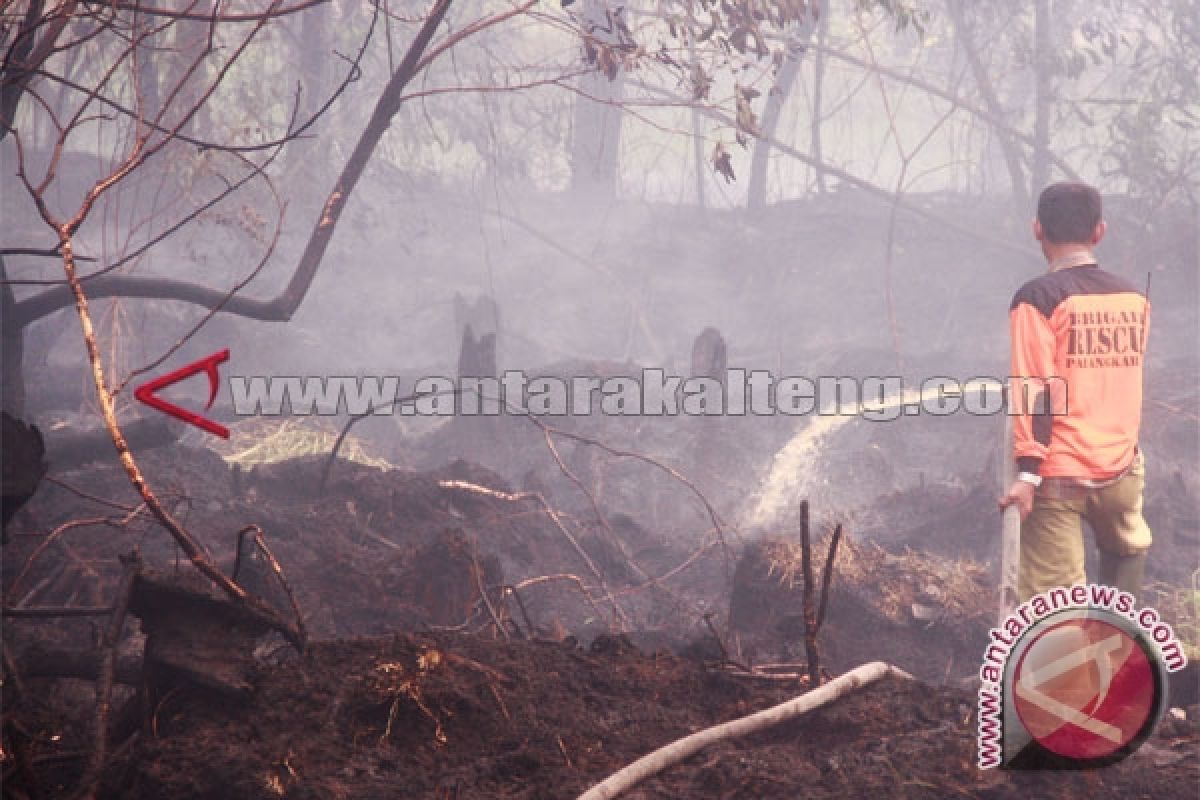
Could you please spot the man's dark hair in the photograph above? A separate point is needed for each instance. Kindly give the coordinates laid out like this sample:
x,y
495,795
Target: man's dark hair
x,y
1069,212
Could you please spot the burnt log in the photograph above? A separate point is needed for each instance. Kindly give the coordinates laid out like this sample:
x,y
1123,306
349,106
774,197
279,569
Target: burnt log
x,y
194,635
22,456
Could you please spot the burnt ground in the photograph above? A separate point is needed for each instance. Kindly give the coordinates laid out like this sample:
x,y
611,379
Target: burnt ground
x,y
409,689
390,564
452,716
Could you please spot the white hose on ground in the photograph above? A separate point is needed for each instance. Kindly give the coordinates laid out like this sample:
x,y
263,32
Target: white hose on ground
x,y
626,778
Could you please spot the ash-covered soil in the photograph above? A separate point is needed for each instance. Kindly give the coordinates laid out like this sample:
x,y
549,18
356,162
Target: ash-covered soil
x,y
440,703
448,716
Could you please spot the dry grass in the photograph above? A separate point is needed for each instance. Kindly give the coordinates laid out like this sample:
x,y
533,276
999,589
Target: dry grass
x,y
265,441
892,582
1179,607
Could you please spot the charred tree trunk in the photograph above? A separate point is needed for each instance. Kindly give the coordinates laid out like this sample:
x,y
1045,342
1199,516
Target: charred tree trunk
x,y
709,357
478,327
756,190
596,137
596,123
477,355
310,43
12,350
23,463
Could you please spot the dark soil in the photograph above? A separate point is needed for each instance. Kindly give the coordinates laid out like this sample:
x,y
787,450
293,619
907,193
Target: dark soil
x,y
362,718
403,556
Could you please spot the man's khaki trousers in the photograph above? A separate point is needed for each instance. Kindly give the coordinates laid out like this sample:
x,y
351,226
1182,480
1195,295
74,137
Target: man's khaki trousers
x,y
1052,549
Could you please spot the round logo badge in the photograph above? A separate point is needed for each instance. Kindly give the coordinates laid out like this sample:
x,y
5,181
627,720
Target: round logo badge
x,y
1087,687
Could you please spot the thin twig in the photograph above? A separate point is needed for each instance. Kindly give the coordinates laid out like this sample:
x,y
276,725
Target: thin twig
x,y
476,571
80,493
618,612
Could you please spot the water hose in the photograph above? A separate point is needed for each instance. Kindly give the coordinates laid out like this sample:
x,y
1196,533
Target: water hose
x,y
648,765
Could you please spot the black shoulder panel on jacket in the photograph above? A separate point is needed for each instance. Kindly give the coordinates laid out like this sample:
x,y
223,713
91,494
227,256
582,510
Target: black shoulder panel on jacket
x,y
1046,292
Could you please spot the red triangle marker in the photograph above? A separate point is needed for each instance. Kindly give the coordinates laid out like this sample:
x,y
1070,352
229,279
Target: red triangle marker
x,y
207,365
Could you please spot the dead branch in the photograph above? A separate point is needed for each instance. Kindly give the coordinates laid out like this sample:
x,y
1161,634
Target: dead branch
x,y
356,418
601,518
996,121
149,10
810,617
86,496
692,559
511,591
827,576
35,252
280,308
491,673
564,576
618,612
112,637
718,526
46,303
713,630
292,132
237,287
477,572
53,536
261,543
28,52
195,553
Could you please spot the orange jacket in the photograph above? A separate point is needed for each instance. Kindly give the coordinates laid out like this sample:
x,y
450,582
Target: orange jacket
x,y
1078,336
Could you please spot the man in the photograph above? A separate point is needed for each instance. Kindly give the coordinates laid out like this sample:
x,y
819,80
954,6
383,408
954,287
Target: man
x,y
1078,340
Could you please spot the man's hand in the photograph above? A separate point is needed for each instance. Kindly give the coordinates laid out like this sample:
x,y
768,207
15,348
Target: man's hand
x,y
1020,494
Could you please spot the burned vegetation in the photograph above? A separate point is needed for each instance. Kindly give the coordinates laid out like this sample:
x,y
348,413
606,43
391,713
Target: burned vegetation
x,y
438,631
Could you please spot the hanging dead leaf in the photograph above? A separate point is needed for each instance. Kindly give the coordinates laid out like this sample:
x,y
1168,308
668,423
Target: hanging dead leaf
x,y
607,62
747,122
723,164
